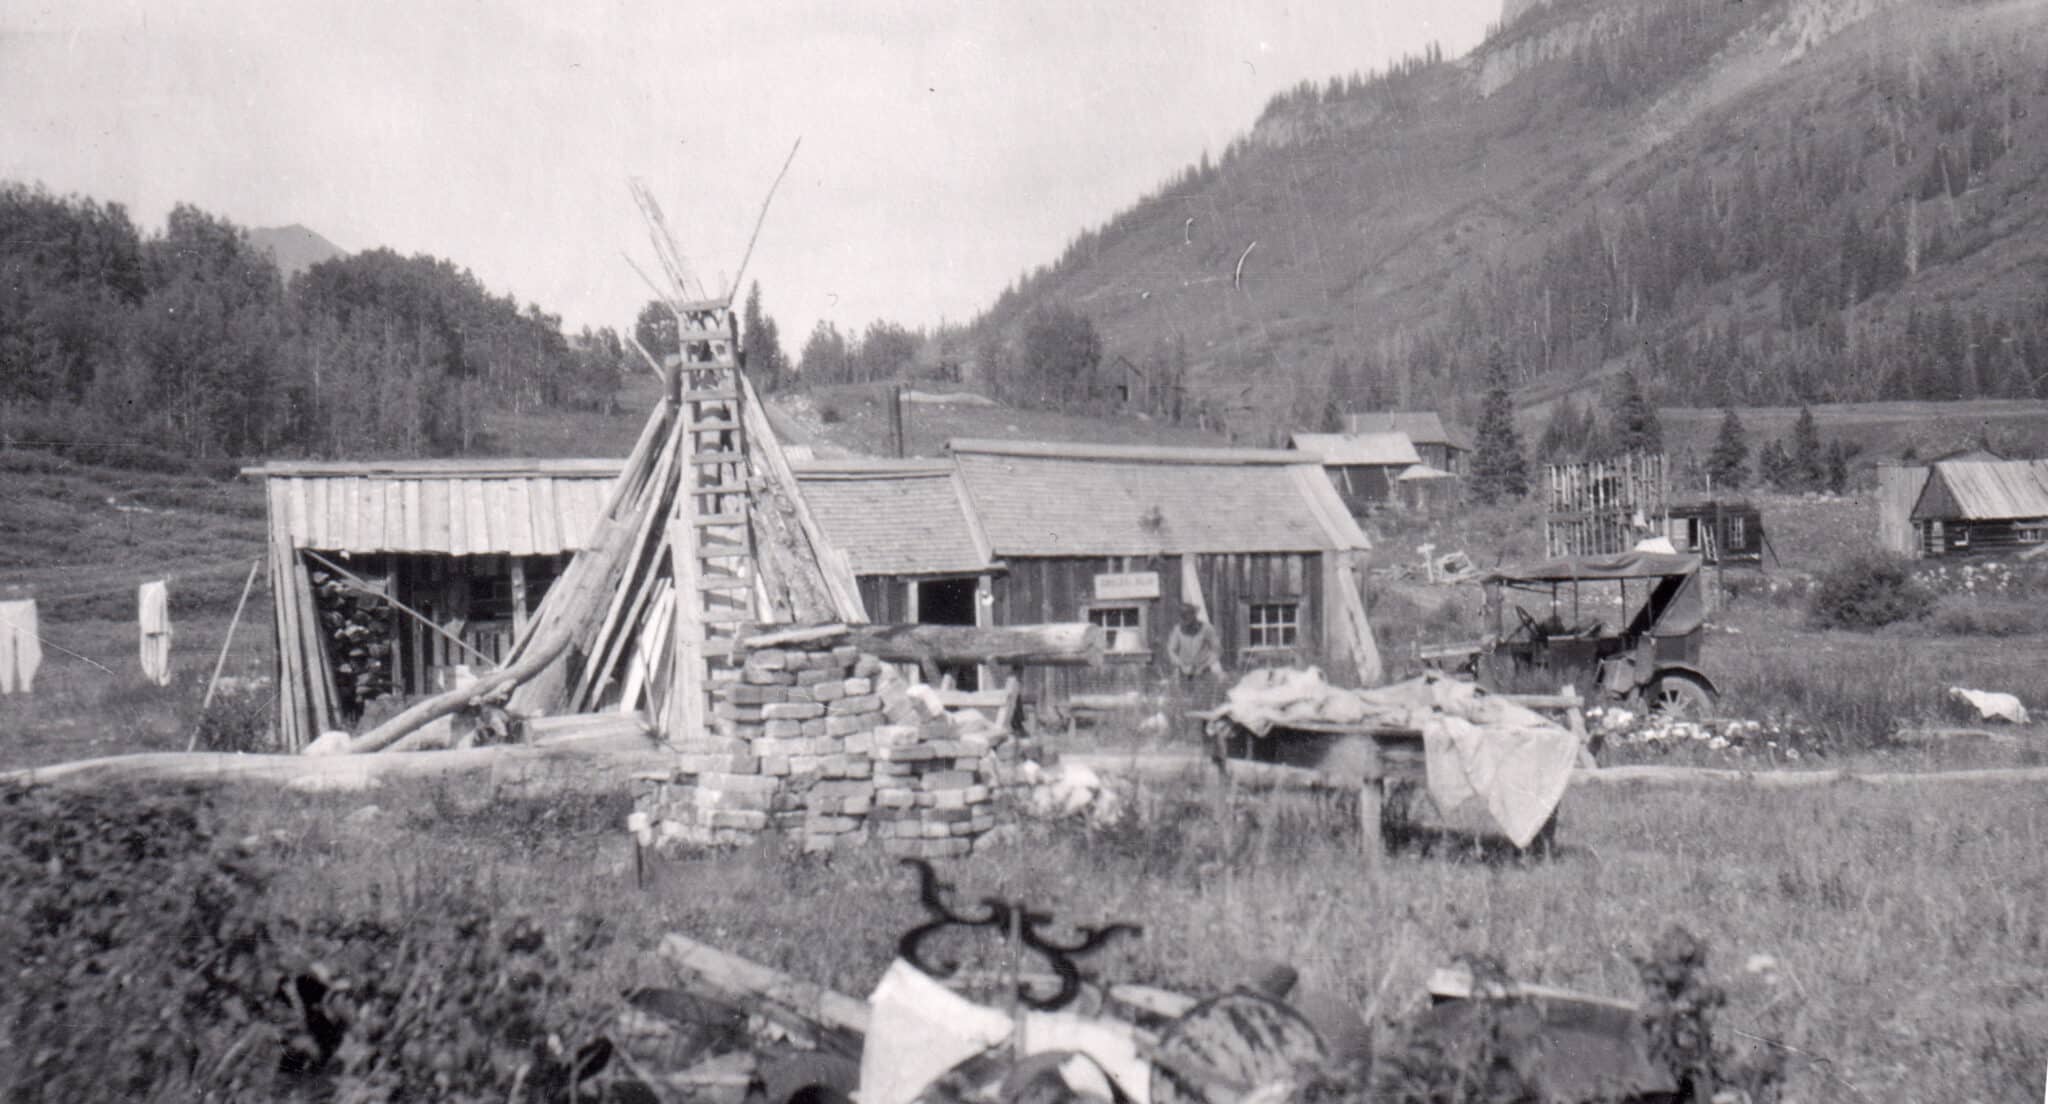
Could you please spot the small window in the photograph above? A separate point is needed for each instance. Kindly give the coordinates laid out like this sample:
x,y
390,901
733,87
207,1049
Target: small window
x,y
1960,538
1122,626
1736,531
1273,625
2033,534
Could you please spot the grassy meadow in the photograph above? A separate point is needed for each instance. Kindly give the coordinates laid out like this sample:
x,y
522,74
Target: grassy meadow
x,y
1886,943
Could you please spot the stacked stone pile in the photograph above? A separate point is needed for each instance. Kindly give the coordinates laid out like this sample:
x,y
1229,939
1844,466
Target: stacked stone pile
x,y
818,742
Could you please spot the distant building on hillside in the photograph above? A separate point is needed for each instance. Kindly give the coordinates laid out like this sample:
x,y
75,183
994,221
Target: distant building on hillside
x,y
1438,446
1363,466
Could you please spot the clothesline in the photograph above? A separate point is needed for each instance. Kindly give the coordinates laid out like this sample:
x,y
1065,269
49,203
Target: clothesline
x,y
170,574
45,642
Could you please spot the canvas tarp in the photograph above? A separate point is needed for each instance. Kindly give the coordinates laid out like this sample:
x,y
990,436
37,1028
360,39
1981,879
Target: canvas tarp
x,y
1477,745
1622,565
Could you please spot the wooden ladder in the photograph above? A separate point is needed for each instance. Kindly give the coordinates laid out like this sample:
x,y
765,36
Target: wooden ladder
x,y
712,537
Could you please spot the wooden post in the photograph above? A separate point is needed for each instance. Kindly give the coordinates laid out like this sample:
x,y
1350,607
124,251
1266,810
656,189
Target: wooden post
x,y
1371,799
896,439
519,612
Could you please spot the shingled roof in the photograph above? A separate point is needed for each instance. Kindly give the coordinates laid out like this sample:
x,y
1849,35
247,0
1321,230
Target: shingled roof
x,y
1360,449
894,517
1035,499
1423,427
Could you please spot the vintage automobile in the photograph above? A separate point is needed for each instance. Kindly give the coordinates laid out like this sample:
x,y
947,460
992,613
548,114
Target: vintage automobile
x,y
1627,626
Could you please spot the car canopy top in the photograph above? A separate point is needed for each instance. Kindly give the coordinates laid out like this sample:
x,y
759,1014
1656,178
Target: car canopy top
x,y
1624,565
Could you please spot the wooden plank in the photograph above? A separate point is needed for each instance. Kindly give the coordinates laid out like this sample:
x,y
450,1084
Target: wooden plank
x,y
414,531
768,992
483,534
433,516
546,523
290,717
686,699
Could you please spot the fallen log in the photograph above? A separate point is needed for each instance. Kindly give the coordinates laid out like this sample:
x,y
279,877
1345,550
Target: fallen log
x,y
621,748
1060,644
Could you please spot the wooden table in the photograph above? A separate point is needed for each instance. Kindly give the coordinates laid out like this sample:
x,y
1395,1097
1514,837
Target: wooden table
x,y
1385,763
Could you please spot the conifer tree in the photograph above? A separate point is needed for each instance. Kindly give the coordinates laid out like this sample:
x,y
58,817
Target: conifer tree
x,y
1728,463
1809,463
1636,428
1498,468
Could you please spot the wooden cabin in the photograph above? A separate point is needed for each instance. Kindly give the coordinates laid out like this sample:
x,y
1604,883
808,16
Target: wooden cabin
x,y
1977,507
1439,446
1719,531
1364,467
904,526
1124,536
468,546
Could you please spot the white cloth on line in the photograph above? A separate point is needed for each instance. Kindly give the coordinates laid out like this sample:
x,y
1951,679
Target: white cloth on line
x,y
154,611
21,649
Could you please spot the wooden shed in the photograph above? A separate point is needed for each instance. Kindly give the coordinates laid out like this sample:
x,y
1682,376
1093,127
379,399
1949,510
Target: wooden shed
x,y
1440,446
1364,467
1982,507
469,546
917,552
1718,530
1124,536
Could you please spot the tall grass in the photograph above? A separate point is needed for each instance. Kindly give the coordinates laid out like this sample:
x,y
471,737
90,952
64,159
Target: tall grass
x,y
1901,931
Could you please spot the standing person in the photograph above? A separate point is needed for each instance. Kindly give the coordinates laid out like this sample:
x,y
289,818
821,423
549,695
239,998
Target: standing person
x,y
1193,647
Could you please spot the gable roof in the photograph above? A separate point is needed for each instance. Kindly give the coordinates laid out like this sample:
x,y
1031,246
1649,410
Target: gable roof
x,y
894,517
1038,499
1423,427
451,507
1984,490
1338,450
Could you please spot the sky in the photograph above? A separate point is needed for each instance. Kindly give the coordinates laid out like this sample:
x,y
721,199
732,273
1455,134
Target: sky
x,y
946,147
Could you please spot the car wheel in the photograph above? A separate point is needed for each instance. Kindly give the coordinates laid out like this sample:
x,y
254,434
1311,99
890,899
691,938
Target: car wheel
x,y
1677,697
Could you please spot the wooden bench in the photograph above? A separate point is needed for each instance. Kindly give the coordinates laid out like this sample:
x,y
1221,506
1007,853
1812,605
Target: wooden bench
x,y
1385,763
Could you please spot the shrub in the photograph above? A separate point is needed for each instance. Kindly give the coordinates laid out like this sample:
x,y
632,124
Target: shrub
x,y
236,720
1964,615
1868,590
829,414
146,960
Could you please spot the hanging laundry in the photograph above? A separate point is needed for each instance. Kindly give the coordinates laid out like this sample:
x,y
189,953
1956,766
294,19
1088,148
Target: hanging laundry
x,y
155,603
21,649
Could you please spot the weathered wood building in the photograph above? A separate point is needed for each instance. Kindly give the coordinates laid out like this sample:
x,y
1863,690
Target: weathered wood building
x,y
1439,446
1718,530
1123,537
917,552
1978,507
468,545
1364,467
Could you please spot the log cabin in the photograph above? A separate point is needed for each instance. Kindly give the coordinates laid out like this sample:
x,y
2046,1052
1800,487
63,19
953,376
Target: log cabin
x,y
1977,507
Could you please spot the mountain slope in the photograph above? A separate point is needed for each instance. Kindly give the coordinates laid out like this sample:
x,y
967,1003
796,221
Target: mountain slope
x,y
1759,202
294,248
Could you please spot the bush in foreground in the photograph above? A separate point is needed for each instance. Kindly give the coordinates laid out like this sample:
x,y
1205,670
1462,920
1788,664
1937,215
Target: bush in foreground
x,y
1868,590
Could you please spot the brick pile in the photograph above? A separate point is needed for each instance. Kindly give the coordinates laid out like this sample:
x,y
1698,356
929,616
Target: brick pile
x,y
822,744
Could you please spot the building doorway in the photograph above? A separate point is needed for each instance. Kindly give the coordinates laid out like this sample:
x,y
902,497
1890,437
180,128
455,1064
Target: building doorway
x,y
950,602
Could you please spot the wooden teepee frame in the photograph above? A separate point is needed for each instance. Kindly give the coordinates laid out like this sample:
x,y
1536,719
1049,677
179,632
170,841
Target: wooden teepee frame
x,y
705,532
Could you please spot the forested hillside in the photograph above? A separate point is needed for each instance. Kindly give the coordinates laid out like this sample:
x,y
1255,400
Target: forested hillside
x,y
118,345
1767,202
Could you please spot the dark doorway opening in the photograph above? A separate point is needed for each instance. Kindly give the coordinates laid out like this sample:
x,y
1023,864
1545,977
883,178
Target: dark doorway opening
x,y
950,602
